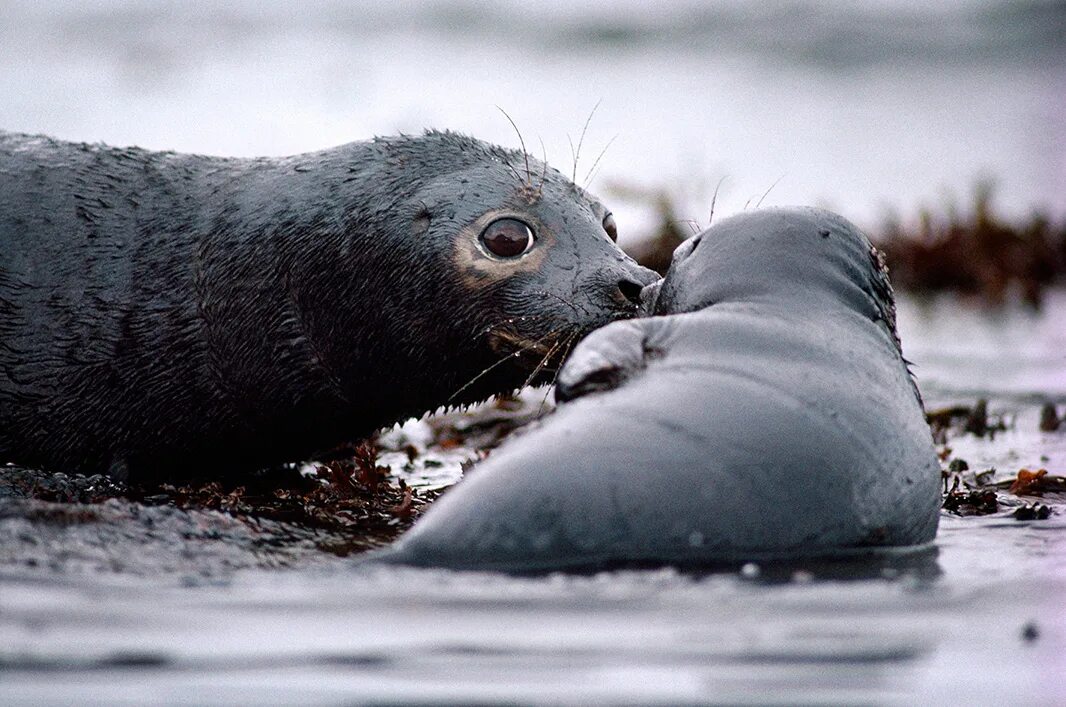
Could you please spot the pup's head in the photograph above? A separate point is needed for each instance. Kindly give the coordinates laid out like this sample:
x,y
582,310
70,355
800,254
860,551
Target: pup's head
x,y
796,256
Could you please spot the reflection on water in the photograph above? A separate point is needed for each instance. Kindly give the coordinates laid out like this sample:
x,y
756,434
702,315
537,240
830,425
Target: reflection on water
x,y
656,637
972,350
979,620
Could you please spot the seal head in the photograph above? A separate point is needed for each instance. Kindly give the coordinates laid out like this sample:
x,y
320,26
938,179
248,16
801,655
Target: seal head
x,y
765,414
768,255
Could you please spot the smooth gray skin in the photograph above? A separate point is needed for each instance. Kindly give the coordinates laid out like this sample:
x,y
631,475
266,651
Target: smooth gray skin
x,y
171,315
767,414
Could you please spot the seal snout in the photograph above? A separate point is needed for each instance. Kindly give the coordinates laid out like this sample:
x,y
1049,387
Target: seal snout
x,y
631,283
630,290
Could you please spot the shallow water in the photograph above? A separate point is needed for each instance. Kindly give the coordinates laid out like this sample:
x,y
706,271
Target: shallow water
x,y
979,621
649,637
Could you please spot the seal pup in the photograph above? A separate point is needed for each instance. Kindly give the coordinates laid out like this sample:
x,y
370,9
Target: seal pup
x,y
767,413
168,314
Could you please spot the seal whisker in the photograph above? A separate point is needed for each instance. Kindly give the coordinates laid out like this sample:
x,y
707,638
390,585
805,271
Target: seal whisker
x,y
544,171
574,336
572,305
767,192
577,153
588,177
692,224
573,156
512,320
543,362
514,354
521,140
513,170
714,200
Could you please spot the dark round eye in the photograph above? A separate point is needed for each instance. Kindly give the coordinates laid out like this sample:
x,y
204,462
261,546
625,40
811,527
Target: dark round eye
x,y
507,237
611,227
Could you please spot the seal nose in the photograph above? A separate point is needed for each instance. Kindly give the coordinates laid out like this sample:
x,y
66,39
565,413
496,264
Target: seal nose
x,y
632,281
631,290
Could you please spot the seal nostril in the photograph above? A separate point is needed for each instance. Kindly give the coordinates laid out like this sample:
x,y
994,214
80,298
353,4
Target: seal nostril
x,y
630,290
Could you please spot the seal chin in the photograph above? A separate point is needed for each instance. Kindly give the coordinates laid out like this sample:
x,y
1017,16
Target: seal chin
x,y
541,353
536,354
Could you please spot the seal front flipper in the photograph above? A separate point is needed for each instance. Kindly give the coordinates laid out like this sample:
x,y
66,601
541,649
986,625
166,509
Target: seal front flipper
x,y
610,356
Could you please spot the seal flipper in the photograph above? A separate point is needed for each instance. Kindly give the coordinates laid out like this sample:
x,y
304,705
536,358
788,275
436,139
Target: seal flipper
x,y
608,357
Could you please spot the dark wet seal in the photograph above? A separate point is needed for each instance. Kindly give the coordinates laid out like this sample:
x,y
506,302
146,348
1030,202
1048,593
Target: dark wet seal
x,y
767,414
171,315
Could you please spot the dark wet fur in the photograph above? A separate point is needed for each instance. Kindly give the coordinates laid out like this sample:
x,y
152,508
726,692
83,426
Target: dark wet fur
x,y
169,314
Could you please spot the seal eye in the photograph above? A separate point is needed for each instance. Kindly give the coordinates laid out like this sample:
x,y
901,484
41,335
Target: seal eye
x,y
507,237
611,227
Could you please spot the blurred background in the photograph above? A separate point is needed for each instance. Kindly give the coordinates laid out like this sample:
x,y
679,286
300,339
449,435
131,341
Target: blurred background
x,y
869,108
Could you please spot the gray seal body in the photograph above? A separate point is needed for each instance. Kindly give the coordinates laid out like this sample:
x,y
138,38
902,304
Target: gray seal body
x,y
168,314
766,413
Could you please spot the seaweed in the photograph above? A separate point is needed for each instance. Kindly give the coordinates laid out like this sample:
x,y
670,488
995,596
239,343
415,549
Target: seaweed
x,y
353,500
982,497
968,500
1032,511
981,254
1036,483
1049,418
959,419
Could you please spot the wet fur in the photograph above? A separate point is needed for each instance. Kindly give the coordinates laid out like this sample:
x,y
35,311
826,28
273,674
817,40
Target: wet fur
x,y
167,314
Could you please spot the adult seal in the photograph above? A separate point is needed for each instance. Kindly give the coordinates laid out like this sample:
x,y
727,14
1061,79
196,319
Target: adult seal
x,y
766,414
169,314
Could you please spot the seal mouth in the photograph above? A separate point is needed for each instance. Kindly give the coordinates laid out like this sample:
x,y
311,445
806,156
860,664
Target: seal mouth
x,y
507,342
547,351
538,344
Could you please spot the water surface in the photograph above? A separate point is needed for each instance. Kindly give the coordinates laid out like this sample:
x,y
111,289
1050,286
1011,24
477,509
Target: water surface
x,y
978,621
